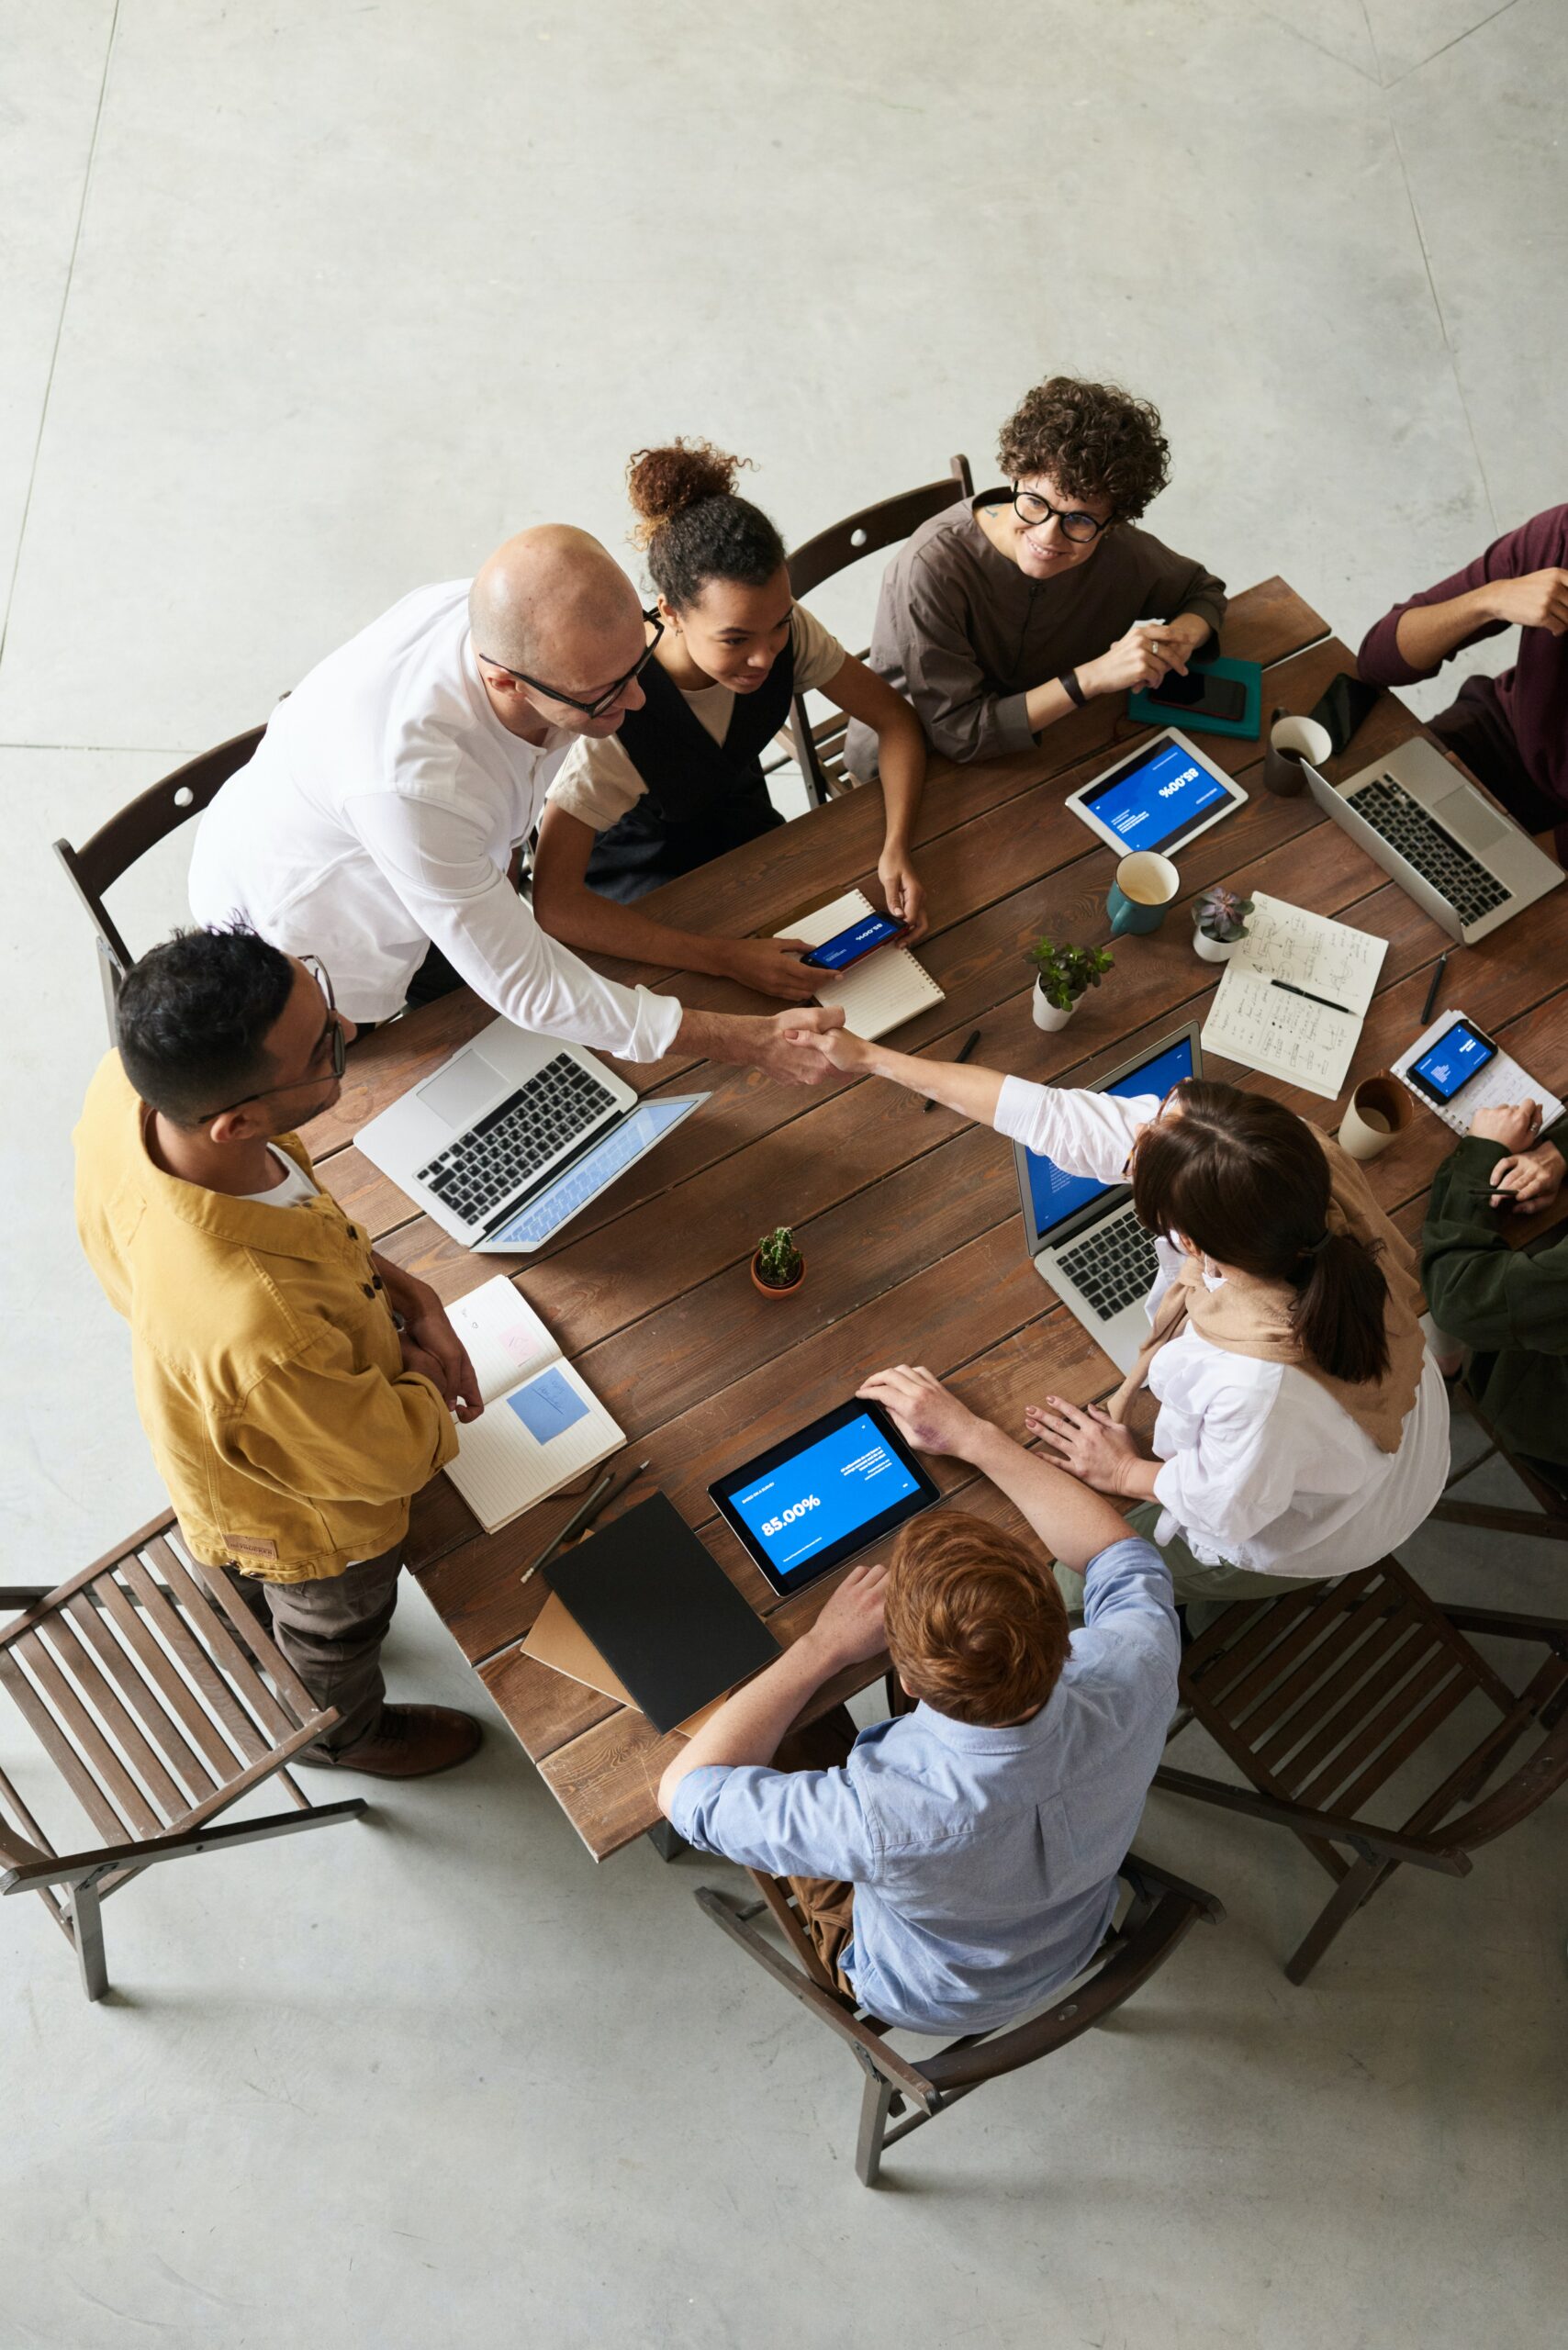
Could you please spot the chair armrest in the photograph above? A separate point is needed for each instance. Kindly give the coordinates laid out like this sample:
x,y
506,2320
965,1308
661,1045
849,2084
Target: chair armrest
x,y
23,1595
1362,1836
1504,1624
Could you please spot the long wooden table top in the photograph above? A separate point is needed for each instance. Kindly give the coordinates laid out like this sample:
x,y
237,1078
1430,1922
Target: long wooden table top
x,y
909,1222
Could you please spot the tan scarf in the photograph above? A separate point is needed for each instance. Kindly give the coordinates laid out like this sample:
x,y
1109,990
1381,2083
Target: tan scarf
x,y
1248,1316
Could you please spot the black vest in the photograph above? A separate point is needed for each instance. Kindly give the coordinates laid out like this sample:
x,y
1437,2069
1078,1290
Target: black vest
x,y
702,797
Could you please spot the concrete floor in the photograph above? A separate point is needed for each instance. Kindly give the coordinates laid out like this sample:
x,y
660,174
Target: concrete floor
x,y
305,304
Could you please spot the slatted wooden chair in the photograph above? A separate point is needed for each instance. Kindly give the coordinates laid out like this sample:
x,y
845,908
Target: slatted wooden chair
x,y
1161,1910
95,867
159,1701
1551,1522
820,748
1321,1696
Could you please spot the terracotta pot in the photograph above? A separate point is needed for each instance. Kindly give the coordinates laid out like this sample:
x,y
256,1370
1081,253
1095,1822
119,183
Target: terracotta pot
x,y
1050,1015
772,1289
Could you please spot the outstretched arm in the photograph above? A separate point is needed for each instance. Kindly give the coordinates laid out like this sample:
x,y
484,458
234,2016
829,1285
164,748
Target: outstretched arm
x,y
901,762
956,1085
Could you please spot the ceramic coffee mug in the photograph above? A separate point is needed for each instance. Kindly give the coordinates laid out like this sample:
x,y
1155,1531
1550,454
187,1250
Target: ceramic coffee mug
x,y
1143,889
1292,740
1377,1113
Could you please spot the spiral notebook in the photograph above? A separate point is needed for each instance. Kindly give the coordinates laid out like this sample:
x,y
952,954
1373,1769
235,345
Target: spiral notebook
x,y
882,992
542,1424
1500,1082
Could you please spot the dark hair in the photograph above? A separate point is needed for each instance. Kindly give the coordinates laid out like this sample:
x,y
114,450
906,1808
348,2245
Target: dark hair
x,y
974,1621
1092,440
1246,1181
193,1016
693,528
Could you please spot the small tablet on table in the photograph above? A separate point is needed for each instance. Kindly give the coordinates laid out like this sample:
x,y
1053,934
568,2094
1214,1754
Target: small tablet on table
x,y
808,1504
1160,797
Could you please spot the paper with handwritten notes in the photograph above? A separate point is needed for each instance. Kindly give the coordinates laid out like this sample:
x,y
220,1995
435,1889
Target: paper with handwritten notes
x,y
1293,995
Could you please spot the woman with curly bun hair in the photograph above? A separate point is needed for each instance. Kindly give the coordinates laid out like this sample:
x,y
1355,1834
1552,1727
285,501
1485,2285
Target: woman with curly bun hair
x,y
681,782
1000,616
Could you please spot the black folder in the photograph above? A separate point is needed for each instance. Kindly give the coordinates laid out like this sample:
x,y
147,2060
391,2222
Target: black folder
x,y
661,1611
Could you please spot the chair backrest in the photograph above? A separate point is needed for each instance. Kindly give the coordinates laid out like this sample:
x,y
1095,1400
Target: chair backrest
x,y
1321,1696
155,1694
138,827
885,524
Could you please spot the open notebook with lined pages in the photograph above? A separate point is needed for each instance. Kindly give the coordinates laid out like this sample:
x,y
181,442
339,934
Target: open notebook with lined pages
x,y
889,988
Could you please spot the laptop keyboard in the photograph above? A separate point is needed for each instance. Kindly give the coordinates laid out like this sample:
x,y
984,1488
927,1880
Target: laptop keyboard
x,y
492,1162
1470,890
1114,1267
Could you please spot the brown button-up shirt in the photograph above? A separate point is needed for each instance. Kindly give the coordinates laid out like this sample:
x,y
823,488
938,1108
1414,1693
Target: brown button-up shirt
x,y
964,634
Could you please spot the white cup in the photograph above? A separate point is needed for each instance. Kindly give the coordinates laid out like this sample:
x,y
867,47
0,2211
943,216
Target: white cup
x,y
1292,740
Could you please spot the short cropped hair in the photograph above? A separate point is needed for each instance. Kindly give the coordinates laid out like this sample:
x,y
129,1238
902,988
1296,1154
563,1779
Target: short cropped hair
x,y
976,1625
1092,440
192,1018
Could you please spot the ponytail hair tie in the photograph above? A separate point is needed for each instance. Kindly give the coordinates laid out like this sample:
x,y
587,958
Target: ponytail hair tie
x,y
1316,1247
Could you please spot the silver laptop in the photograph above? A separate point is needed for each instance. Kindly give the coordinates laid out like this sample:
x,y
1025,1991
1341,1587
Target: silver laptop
x,y
1464,862
1082,1235
515,1136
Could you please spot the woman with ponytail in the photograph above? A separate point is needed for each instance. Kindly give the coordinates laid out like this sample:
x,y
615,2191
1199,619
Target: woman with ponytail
x,y
681,780
1303,1426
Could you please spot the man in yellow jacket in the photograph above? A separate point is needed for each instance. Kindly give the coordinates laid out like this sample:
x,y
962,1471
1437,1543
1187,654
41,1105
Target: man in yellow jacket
x,y
297,1388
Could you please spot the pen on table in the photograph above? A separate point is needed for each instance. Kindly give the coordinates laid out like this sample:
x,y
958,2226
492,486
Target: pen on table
x,y
602,1494
964,1049
1291,987
1432,990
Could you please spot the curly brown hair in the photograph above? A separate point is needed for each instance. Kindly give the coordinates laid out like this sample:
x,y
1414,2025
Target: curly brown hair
x,y
975,1623
1092,440
692,527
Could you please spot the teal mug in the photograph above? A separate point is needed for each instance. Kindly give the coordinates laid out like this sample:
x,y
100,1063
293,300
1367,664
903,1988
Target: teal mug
x,y
1145,885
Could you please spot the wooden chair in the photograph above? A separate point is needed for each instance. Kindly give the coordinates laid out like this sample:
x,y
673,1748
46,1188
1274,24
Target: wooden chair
x,y
159,1701
1550,1524
1161,1910
1319,1698
819,749
116,846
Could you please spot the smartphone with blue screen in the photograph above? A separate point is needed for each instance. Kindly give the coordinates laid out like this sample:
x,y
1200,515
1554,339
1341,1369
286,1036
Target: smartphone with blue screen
x,y
1446,1066
847,947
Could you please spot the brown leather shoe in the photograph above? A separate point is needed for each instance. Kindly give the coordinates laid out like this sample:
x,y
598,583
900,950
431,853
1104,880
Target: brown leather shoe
x,y
410,1743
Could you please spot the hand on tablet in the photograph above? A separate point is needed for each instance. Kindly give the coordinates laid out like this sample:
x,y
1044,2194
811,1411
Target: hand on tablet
x,y
922,1410
849,1629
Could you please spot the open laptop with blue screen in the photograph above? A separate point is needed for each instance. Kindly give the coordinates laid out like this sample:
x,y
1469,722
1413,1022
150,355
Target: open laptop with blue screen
x,y
1083,1236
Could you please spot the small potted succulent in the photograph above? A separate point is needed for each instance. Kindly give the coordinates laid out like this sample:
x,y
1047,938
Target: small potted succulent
x,y
1219,924
1063,976
777,1266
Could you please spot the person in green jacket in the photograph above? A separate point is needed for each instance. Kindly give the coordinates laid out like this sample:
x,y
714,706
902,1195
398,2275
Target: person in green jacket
x,y
1511,1309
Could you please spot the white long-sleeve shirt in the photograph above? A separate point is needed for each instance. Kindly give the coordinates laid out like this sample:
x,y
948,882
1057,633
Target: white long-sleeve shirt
x,y
378,816
1261,1466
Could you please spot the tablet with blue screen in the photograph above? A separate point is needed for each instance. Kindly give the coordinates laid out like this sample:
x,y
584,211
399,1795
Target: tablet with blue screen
x,y
1160,797
808,1504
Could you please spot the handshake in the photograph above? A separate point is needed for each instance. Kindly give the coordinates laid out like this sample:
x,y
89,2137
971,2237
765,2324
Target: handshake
x,y
809,1044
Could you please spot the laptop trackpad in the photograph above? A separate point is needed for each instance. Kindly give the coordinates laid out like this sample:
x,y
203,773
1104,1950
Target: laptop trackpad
x,y
1471,821
463,1092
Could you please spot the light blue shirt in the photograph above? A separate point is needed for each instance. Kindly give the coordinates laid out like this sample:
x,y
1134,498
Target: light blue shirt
x,y
983,1861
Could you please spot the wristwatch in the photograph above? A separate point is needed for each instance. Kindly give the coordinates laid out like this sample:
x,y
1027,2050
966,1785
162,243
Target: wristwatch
x,y
1068,683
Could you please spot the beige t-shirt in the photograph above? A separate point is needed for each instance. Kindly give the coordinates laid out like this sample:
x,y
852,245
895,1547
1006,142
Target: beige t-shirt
x,y
599,783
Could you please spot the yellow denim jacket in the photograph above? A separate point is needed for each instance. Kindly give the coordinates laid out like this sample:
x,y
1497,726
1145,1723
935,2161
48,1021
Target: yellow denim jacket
x,y
268,1372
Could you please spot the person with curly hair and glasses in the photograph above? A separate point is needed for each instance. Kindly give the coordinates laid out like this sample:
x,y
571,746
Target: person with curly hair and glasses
x,y
1003,613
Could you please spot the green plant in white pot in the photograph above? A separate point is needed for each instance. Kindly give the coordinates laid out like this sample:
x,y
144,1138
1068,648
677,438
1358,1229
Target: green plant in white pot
x,y
1063,976
1219,924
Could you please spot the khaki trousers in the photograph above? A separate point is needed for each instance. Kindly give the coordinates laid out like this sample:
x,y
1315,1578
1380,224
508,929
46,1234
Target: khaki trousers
x,y
330,1631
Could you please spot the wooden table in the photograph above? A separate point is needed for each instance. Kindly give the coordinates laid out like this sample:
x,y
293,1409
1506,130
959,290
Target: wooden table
x,y
909,1222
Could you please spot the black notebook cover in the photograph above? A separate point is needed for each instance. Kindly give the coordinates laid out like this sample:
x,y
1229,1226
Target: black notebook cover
x,y
661,1611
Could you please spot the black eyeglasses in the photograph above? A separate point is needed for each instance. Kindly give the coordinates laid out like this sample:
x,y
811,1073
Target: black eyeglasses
x,y
1031,508
606,701
334,1029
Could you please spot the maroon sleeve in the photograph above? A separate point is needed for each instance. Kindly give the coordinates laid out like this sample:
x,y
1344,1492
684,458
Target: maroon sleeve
x,y
1537,546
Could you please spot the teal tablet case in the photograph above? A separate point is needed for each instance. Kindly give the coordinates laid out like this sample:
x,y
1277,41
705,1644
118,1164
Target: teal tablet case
x,y
1250,722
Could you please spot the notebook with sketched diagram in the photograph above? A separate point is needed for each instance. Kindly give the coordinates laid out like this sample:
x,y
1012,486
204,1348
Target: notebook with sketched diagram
x,y
1293,997
889,988
542,1424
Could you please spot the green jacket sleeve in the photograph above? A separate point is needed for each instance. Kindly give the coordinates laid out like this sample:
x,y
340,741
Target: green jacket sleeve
x,y
1480,1291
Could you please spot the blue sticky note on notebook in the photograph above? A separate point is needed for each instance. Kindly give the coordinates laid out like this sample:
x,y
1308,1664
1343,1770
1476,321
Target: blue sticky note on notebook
x,y
547,1405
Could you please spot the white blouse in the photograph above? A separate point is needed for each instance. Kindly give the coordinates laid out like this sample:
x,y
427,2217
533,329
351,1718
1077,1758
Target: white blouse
x,y
1262,1468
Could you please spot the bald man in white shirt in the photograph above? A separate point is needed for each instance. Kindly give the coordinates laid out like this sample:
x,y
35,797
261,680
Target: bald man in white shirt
x,y
381,812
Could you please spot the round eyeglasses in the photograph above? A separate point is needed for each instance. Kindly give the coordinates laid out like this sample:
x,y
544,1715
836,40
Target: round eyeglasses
x,y
1031,508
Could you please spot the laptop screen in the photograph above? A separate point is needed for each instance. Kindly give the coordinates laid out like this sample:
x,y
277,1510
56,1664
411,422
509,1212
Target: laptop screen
x,y
1055,1196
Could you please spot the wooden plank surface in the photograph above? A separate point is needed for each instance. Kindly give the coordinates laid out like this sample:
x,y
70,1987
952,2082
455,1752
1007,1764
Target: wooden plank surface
x,y
908,1221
